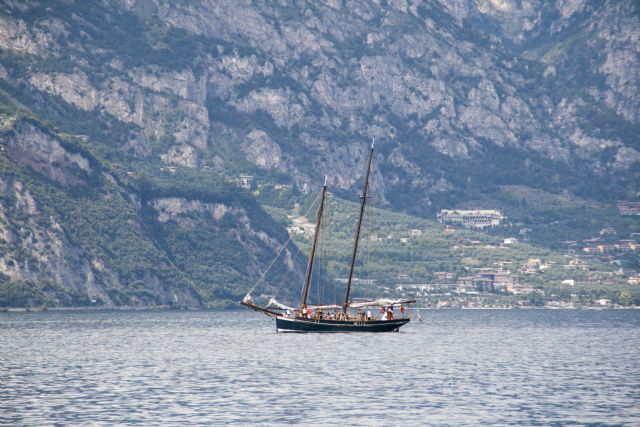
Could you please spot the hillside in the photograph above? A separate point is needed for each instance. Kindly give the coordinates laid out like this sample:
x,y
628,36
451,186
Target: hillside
x,y
399,250
130,125
73,234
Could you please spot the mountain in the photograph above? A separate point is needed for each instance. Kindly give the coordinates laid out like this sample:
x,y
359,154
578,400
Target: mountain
x,y
127,125
73,233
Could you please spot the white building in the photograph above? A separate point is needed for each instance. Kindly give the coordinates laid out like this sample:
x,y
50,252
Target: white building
x,y
478,218
246,181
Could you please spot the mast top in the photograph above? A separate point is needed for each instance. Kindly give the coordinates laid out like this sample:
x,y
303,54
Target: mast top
x,y
325,181
373,141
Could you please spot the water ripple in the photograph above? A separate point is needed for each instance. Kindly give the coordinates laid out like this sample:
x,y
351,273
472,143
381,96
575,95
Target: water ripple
x,y
213,368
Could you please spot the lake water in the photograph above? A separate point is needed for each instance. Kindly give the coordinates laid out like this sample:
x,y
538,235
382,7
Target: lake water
x,y
458,367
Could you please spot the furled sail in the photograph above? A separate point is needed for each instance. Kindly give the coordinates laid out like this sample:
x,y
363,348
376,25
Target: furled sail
x,y
275,304
325,307
382,302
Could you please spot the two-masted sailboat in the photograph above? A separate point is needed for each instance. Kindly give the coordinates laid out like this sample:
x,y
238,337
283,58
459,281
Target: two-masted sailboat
x,y
351,316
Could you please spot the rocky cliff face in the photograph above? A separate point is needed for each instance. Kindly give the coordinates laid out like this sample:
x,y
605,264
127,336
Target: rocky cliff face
x,y
45,259
461,96
43,265
43,153
458,77
72,235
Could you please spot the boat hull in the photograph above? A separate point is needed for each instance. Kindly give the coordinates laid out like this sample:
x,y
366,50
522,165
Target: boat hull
x,y
312,325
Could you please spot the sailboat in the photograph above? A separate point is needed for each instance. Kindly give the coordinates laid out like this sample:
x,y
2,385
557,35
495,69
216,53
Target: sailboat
x,y
350,316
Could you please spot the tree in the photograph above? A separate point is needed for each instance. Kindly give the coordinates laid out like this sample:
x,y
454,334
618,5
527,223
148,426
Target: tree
x,y
535,299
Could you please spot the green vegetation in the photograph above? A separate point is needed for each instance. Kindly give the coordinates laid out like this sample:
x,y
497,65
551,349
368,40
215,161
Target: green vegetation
x,y
390,254
112,219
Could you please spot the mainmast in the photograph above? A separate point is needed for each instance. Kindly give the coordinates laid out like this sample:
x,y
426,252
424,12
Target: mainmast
x,y
307,279
363,200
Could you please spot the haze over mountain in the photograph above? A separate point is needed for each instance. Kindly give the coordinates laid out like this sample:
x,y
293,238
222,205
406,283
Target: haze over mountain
x,y
126,125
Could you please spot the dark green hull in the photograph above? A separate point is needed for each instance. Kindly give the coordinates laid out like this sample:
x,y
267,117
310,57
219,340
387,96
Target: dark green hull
x,y
311,325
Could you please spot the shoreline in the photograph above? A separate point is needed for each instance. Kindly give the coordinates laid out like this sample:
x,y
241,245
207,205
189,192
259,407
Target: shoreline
x,y
169,308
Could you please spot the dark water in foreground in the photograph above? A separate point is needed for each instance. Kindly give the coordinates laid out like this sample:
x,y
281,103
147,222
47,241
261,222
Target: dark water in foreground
x,y
522,367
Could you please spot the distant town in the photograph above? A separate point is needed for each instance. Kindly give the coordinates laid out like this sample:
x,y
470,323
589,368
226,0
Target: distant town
x,y
507,284
503,284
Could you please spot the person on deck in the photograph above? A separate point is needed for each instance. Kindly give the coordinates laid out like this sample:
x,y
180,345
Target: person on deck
x,y
390,313
369,315
384,313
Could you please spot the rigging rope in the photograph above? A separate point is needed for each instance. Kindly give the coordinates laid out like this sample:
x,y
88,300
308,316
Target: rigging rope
x,y
333,231
325,252
369,215
281,250
284,280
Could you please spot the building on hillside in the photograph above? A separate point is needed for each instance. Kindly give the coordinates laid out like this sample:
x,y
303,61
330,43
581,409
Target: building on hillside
x,y
418,289
524,231
534,262
465,280
510,241
628,245
444,275
246,181
484,283
303,187
576,264
503,277
628,208
415,232
488,280
282,187
518,288
301,225
356,280
591,241
503,263
608,231
588,282
622,246
477,218
295,229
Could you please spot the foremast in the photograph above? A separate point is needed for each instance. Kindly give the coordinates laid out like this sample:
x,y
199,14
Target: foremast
x,y
363,201
312,256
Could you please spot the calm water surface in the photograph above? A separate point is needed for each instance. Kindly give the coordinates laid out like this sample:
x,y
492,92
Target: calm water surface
x,y
520,367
